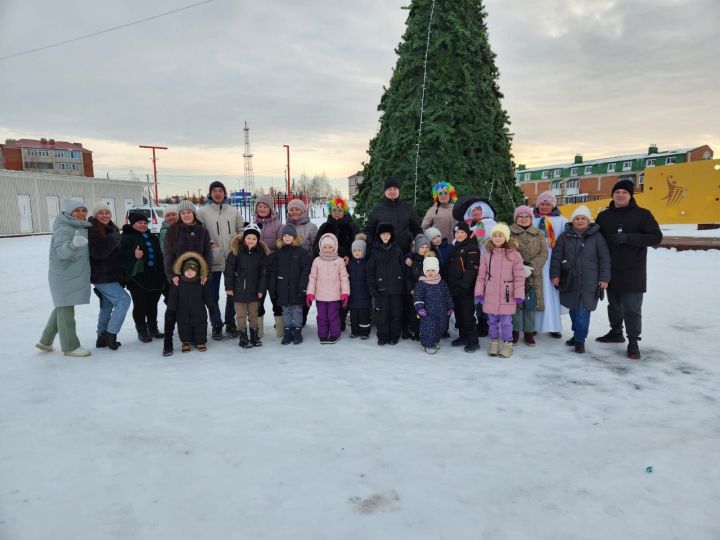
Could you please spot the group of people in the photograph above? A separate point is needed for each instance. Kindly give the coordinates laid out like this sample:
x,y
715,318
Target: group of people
x,y
405,276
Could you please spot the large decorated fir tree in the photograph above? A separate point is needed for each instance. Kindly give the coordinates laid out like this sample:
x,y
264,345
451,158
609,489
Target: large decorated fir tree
x,y
464,137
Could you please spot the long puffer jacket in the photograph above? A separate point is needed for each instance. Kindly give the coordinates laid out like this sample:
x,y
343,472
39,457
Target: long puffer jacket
x,y
289,273
105,264
532,247
500,280
328,275
588,260
359,293
69,269
386,269
246,270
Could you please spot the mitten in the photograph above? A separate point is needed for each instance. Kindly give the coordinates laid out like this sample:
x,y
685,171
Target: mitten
x,y
422,312
479,299
527,270
79,241
344,298
449,312
519,301
619,238
309,299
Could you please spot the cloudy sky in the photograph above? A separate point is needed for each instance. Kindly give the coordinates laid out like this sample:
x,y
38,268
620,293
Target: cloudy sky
x,y
598,77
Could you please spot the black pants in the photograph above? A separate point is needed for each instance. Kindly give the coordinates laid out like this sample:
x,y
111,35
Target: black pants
x,y
625,307
411,323
276,308
144,304
465,317
390,318
170,318
193,333
360,322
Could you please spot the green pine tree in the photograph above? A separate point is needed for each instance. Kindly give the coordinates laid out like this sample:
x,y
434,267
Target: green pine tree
x,y
465,137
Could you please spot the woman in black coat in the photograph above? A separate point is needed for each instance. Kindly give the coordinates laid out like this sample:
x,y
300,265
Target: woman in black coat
x,y
106,273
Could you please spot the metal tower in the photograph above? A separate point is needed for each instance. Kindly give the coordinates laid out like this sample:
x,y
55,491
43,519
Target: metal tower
x,y
249,177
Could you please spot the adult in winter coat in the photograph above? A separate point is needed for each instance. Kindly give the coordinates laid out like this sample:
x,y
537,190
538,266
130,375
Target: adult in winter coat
x,y
340,224
629,230
142,263
581,256
462,269
440,214
479,214
532,247
223,223
399,214
68,276
386,282
288,283
271,231
551,223
297,216
106,273
433,304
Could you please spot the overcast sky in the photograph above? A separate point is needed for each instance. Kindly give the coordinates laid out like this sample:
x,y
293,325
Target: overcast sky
x,y
598,77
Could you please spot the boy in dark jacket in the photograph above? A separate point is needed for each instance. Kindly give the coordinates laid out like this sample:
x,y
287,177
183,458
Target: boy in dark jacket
x,y
385,278
246,281
462,272
187,300
360,300
289,272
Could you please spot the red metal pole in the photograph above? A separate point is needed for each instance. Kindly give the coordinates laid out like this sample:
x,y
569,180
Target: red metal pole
x,y
154,159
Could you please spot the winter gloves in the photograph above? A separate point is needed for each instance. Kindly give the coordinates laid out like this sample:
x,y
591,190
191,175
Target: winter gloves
x,y
344,299
619,238
519,301
422,312
479,299
309,299
79,241
527,270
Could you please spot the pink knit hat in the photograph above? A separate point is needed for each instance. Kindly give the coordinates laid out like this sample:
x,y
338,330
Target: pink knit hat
x,y
548,198
522,210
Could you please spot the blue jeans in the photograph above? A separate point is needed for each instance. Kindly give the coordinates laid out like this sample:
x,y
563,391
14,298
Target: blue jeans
x,y
580,318
215,317
293,316
114,305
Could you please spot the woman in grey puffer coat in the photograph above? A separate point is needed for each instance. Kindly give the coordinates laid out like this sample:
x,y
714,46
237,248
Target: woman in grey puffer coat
x,y
68,276
580,267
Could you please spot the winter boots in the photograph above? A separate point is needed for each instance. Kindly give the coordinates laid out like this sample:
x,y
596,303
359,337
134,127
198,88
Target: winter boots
x,y
579,347
297,338
529,339
254,339
154,331
507,349
217,334
279,326
243,342
185,346
472,346
633,350
109,340
231,330
288,336
494,347
515,336
613,336
143,334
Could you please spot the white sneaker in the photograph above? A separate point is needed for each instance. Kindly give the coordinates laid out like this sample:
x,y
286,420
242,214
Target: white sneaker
x,y
430,350
78,352
43,347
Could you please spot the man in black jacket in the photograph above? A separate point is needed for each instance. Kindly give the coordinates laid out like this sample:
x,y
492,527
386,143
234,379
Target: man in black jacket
x,y
399,214
629,230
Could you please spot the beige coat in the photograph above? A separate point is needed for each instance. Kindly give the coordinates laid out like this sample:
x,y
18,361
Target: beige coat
x,y
440,217
532,247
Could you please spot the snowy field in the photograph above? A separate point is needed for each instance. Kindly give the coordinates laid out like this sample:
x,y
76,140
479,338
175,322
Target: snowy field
x,y
357,441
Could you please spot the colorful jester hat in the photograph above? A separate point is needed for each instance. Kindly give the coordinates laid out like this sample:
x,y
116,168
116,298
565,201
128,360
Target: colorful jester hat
x,y
444,187
338,203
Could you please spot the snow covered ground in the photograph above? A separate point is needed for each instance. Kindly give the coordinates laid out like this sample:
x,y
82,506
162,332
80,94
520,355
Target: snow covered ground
x,y
358,441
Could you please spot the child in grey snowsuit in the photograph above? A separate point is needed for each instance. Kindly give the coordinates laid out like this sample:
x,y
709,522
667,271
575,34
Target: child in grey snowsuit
x,y
433,304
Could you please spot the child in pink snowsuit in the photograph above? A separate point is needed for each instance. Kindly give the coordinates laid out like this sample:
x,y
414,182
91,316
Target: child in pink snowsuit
x,y
329,284
500,287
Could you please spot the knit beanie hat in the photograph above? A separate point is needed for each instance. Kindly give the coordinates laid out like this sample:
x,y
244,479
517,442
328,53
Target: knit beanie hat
x,y
359,244
583,210
217,184
627,185
462,226
297,203
186,205
548,198
71,204
171,209
289,229
391,181
252,228
431,263
503,229
431,233
190,263
421,240
99,207
134,217
522,211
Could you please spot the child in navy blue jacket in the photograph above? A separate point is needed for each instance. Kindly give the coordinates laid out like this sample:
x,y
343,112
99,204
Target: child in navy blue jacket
x,y
360,301
433,304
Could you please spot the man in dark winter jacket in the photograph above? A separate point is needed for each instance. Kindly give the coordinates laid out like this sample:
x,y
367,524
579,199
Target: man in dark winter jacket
x,y
399,214
629,230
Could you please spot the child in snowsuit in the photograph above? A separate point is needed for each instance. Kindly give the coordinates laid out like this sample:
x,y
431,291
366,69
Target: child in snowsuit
x,y
421,248
581,256
360,301
386,282
330,286
188,300
433,304
246,281
500,287
461,274
289,274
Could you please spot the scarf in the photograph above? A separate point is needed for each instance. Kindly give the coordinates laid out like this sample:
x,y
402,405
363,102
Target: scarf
x,y
431,281
477,228
546,226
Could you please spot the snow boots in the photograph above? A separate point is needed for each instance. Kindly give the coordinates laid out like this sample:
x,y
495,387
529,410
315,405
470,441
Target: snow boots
x,y
529,339
613,336
254,339
507,349
154,331
217,331
494,347
143,334
297,338
472,346
243,342
633,350
279,326
288,336
109,340
231,330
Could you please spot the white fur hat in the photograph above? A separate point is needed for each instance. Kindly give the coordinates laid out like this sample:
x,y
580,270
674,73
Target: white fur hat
x,y
582,210
431,263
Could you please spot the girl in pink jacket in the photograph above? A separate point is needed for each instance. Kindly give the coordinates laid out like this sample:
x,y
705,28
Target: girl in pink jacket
x,y
330,286
500,287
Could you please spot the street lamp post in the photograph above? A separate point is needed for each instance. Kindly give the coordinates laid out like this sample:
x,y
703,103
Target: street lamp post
x,y
154,160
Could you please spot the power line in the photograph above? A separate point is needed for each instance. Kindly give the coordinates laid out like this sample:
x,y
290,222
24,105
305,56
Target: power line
x,y
105,31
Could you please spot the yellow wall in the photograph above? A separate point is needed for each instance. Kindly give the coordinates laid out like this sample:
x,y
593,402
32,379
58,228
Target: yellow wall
x,y
680,193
